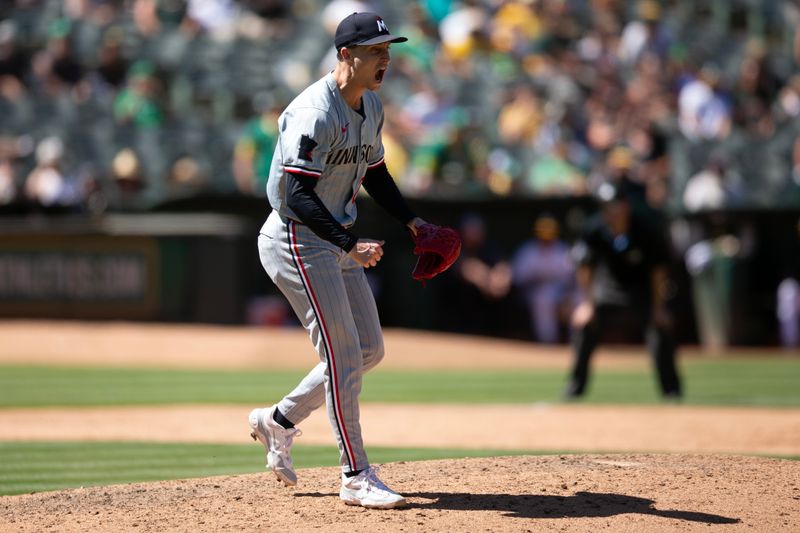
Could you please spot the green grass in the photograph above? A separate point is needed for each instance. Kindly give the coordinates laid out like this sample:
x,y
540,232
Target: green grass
x,y
40,466
752,381
27,467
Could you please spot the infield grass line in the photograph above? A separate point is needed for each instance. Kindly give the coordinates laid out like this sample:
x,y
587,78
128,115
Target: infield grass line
x,y
752,382
36,466
42,466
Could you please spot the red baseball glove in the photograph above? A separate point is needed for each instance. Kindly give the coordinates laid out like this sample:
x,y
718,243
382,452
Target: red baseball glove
x,y
438,247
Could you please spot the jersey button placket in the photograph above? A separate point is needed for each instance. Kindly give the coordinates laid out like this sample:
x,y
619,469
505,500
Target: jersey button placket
x,y
356,178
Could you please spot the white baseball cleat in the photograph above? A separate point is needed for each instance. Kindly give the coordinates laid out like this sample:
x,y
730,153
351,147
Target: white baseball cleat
x,y
367,490
276,440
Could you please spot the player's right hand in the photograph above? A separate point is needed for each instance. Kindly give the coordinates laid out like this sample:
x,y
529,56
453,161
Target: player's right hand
x,y
367,252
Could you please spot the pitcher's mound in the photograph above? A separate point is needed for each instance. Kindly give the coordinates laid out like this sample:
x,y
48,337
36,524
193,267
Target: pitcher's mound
x,y
546,493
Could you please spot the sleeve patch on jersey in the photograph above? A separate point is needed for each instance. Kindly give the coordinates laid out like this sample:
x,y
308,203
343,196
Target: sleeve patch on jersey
x,y
307,145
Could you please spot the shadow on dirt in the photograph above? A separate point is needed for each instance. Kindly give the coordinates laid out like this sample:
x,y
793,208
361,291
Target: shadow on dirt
x,y
579,505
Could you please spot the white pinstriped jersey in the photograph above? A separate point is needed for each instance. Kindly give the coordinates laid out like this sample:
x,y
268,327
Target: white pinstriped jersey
x,y
323,137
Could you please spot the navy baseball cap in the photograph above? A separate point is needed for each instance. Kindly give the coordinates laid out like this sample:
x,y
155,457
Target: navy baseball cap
x,y
363,29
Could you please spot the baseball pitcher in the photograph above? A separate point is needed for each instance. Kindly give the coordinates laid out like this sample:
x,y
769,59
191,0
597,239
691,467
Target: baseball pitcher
x,y
329,146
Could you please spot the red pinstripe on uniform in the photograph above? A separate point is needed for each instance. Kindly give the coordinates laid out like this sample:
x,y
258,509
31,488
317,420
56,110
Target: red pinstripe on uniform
x,y
337,408
355,193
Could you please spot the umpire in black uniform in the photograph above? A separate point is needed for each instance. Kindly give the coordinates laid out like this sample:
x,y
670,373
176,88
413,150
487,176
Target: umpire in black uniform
x,y
622,260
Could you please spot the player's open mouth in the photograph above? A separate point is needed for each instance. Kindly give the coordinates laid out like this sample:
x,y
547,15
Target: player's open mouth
x,y
379,75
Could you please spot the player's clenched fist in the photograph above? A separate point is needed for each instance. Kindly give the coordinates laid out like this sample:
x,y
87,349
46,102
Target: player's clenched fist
x,y
367,252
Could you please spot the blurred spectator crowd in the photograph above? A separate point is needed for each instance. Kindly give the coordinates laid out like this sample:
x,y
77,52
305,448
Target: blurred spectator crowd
x,y
125,104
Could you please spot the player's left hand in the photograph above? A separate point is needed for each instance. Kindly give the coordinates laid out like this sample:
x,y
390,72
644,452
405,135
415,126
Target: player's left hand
x,y
415,223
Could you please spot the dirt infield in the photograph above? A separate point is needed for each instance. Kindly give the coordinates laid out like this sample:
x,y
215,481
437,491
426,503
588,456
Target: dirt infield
x,y
626,493
192,346
589,428
631,492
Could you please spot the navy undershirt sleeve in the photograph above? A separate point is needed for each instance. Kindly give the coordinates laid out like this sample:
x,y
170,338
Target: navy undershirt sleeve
x,y
382,188
304,202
